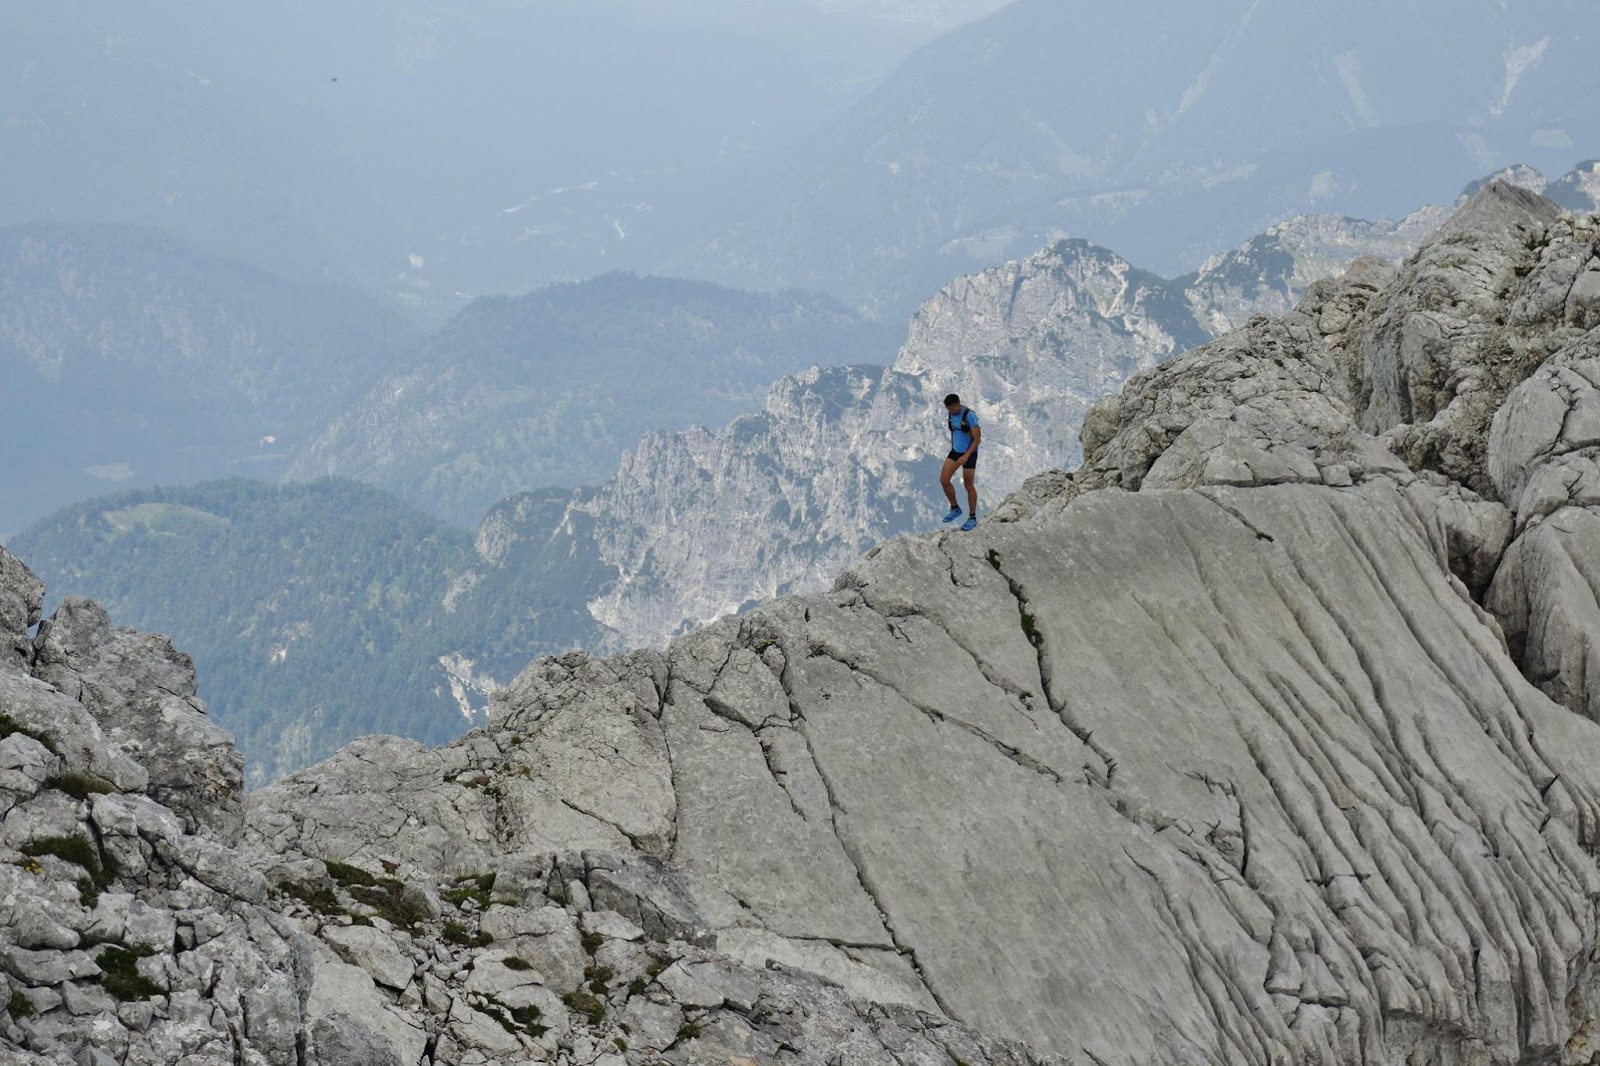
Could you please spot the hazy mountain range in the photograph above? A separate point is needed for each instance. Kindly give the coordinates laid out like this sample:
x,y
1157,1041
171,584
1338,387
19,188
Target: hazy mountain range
x,y
549,389
1252,719
1262,738
405,146
326,610
1164,129
640,455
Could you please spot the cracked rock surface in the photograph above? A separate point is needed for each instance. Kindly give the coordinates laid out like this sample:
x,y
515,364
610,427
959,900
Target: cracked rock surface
x,y
1252,740
1267,736
134,931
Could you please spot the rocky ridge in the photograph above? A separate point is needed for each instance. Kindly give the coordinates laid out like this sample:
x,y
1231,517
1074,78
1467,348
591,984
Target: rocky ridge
x,y
136,930
1210,751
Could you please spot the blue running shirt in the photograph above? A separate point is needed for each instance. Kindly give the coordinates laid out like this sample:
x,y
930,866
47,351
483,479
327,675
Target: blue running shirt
x,y
961,440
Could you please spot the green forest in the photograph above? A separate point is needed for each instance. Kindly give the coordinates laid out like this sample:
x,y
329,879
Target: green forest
x,y
315,612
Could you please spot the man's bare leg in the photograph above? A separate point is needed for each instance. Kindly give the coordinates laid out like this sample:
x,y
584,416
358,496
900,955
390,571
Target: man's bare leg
x,y
944,481
971,479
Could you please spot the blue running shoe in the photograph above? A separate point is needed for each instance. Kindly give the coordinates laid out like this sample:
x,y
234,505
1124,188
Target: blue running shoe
x,y
955,513
970,524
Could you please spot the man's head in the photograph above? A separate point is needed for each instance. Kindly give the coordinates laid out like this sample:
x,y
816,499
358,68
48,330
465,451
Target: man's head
x,y
953,403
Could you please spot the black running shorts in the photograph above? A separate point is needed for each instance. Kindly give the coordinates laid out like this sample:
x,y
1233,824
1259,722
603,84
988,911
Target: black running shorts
x,y
970,464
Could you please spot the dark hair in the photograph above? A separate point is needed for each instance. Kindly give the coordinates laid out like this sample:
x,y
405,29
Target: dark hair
x,y
951,399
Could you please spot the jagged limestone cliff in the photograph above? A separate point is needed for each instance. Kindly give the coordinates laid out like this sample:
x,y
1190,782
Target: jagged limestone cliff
x,y
1264,737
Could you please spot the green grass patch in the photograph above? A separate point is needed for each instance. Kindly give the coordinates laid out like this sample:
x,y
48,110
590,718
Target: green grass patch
x,y
592,942
516,1020
514,963
348,875
19,1006
689,1031
598,977
1030,628
81,786
459,935
79,851
586,1004
73,849
321,900
388,897
9,725
164,518
476,887
121,976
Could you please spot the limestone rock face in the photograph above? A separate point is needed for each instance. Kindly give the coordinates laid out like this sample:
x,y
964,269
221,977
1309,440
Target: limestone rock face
x,y
1250,741
1157,713
131,933
1236,744
1544,455
1437,358
21,600
142,692
1269,273
1422,358
128,933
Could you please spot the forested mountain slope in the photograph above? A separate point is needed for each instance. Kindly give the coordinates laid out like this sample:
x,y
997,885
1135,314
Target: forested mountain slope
x,y
549,389
316,612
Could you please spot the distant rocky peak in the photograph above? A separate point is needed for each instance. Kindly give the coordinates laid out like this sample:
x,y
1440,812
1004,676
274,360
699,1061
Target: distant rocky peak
x,y
1519,174
1269,273
1031,306
1578,190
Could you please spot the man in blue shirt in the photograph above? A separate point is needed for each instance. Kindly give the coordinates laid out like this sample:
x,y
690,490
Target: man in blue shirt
x,y
965,436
